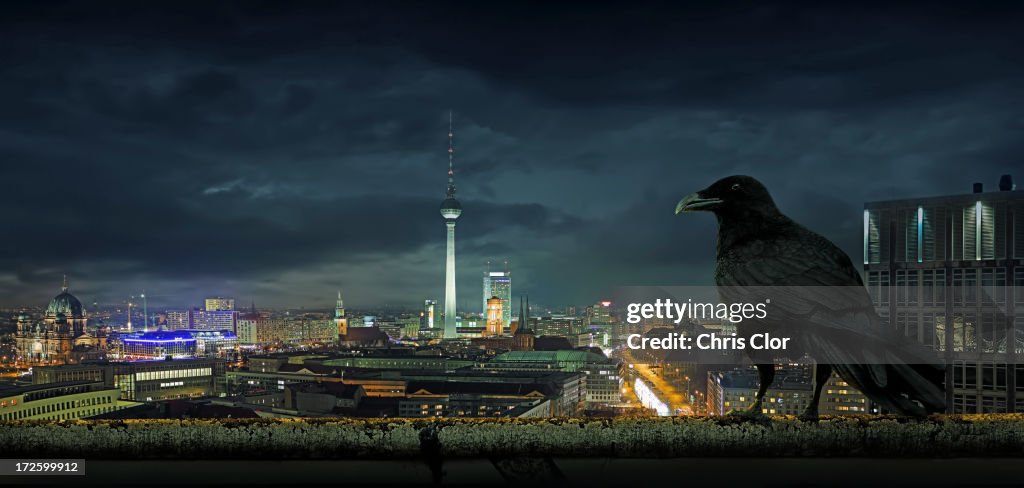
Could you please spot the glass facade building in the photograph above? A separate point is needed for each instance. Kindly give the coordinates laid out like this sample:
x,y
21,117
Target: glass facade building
x,y
949,272
499,284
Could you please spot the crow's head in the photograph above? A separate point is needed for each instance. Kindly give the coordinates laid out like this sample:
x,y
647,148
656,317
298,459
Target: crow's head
x,y
730,196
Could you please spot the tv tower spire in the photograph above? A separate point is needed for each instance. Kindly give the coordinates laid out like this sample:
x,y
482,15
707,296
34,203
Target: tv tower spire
x,y
450,210
451,157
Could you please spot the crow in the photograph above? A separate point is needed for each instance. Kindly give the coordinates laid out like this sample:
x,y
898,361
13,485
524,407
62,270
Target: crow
x,y
764,255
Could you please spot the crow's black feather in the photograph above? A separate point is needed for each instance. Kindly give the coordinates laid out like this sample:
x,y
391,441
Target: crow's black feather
x,y
817,298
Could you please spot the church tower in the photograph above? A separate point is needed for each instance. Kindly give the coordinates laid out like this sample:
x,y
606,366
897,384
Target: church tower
x,y
339,316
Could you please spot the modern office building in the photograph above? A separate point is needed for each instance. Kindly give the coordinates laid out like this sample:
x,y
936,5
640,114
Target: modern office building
x,y
427,316
602,376
789,394
499,284
148,346
565,391
948,271
600,324
59,401
214,319
451,209
260,329
839,398
558,325
219,304
175,344
144,380
179,319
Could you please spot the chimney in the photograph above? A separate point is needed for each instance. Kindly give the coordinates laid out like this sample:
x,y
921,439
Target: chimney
x,y
978,188
1006,183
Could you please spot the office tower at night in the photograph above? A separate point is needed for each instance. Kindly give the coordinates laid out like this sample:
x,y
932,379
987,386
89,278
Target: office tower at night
x,y
219,304
214,319
450,210
428,314
179,319
499,284
600,323
946,271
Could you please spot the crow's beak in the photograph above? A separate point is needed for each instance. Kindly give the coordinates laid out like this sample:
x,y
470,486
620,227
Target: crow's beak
x,y
695,202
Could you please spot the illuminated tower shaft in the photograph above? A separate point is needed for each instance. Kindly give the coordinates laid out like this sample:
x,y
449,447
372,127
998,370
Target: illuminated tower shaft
x,y
449,283
450,210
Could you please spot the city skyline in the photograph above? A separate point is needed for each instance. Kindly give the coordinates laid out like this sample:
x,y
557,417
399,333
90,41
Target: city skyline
x,y
280,164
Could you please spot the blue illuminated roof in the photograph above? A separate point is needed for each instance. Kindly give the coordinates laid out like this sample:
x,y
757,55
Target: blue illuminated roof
x,y
161,336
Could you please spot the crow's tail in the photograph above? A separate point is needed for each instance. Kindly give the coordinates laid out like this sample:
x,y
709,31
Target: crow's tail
x,y
895,373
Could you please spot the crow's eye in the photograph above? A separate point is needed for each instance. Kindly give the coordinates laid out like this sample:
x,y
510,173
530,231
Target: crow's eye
x,y
735,187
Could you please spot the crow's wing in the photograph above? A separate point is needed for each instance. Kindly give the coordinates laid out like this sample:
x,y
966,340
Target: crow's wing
x,y
816,293
804,274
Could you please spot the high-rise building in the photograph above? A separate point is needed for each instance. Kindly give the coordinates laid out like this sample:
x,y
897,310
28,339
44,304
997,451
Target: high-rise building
x,y
947,272
247,327
601,324
450,210
179,319
214,319
219,303
499,284
558,325
495,320
428,314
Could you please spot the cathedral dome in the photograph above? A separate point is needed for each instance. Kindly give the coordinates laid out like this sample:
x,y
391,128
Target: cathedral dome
x,y
65,304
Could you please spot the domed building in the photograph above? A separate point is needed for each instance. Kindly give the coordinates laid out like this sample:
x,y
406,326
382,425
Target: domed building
x,y
51,339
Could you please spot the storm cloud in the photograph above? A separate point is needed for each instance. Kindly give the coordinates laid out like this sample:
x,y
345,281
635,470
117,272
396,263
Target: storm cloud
x,y
278,151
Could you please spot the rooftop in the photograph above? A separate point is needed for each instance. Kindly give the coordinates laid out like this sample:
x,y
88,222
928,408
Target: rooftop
x,y
551,356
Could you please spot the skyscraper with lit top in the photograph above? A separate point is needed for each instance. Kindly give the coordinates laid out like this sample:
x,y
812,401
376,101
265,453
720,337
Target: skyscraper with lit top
x,y
450,210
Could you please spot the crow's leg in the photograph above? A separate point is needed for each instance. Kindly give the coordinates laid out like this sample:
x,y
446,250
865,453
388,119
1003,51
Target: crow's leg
x,y
821,374
766,374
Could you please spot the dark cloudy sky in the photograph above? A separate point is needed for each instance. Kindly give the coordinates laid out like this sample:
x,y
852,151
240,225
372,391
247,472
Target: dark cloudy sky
x,y
281,150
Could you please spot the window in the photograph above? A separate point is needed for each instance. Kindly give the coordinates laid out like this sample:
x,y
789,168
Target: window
x,y
1018,284
993,332
993,376
906,287
932,233
965,282
878,288
933,289
964,332
993,286
907,235
933,331
876,243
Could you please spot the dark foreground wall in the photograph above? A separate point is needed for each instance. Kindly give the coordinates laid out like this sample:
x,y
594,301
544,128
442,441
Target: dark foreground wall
x,y
940,436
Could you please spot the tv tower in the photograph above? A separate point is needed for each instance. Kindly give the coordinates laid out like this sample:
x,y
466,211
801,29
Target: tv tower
x,y
450,210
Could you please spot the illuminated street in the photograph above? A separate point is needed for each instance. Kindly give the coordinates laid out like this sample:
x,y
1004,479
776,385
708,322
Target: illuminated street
x,y
666,393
